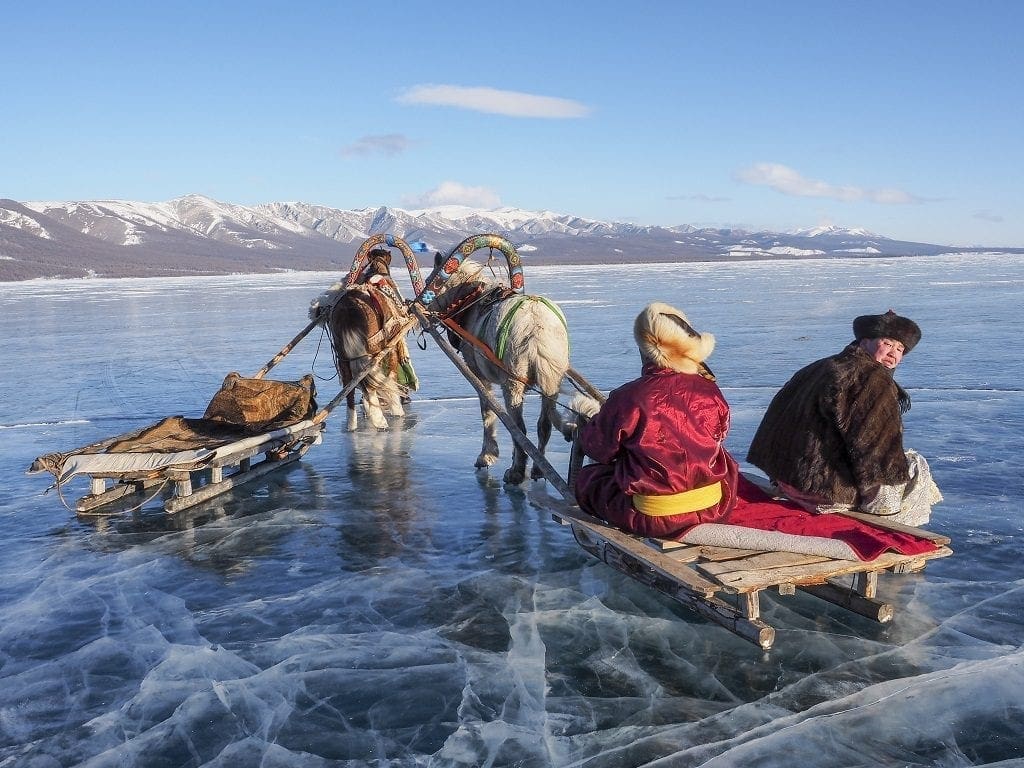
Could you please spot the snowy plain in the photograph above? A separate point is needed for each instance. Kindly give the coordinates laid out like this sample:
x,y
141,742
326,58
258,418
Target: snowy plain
x,y
383,603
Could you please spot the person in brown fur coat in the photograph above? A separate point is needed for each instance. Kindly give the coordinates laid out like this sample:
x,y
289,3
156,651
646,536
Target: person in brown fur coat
x,y
832,437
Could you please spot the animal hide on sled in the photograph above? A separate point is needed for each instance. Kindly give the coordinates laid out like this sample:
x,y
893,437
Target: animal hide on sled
x,y
257,405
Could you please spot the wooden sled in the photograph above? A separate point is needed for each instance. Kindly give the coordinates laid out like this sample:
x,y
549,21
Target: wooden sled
x,y
196,480
725,584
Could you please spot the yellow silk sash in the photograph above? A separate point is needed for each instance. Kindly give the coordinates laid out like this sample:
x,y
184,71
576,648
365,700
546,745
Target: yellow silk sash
x,y
678,503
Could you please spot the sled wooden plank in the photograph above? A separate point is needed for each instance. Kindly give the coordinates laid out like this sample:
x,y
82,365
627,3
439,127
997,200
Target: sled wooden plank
x,y
708,552
881,522
814,573
684,555
667,545
762,561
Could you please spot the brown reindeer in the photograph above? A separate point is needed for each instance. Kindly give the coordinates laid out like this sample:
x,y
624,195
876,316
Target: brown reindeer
x,y
362,320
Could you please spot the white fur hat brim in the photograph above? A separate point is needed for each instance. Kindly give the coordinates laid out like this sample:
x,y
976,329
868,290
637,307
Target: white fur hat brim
x,y
667,339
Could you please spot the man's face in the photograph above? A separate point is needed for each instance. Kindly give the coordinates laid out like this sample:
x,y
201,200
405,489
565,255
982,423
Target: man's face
x,y
888,352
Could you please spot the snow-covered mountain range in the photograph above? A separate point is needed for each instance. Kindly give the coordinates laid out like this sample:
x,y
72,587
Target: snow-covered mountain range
x,y
195,235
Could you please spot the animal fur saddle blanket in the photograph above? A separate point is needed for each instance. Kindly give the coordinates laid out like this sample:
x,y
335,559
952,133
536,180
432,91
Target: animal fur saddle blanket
x,y
258,405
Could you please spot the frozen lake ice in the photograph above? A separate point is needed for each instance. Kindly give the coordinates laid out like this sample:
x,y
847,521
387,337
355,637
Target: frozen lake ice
x,y
383,603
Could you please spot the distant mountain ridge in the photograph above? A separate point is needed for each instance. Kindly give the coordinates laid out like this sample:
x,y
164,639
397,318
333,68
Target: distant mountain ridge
x,y
196,235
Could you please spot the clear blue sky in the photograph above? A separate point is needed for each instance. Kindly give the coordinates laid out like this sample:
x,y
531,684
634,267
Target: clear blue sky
x,y
902,117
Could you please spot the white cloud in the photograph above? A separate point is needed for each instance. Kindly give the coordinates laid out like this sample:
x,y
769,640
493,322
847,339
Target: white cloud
x,y
700,197
388,144
789,182
494,101
454,193
995,218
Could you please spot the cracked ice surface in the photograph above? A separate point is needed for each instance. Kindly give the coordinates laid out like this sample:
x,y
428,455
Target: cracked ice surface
x,y
383,603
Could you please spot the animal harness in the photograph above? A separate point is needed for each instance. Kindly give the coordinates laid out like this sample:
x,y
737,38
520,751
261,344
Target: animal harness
x,y
387,314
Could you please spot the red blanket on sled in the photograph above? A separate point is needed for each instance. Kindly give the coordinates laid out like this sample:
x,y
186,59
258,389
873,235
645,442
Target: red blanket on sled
x,y
756,509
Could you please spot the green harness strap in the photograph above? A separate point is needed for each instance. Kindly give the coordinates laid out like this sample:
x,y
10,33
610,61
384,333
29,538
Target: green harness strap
x,y
506,321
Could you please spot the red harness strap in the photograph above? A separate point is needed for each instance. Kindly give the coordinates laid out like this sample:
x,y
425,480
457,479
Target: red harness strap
x,y
462,333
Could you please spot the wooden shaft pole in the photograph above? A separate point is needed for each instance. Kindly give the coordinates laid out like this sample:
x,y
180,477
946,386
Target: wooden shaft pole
x,y
324,412
585,385
285,350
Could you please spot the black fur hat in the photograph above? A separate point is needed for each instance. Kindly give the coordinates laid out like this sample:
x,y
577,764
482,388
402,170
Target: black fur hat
x,y
887,326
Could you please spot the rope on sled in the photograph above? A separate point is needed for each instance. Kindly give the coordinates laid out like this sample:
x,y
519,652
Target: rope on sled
x,y
60,495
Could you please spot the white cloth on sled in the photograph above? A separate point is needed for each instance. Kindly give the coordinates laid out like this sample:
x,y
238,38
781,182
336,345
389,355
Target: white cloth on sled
x,y
740,537
907,503
119,463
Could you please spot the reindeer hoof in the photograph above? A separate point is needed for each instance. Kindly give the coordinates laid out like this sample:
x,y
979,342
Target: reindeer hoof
x,y
536,473
514,477
484,460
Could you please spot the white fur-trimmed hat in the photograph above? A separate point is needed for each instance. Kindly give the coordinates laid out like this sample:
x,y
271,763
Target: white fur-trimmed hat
x,y
667,339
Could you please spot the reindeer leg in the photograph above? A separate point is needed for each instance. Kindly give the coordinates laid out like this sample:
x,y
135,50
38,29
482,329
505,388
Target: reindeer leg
x,y
548,415
395,407
514,391
371,401
352,423
489,451
373,410
392,391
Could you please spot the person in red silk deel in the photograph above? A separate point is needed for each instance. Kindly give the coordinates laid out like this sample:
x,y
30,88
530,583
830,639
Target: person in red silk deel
x,y
657,443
